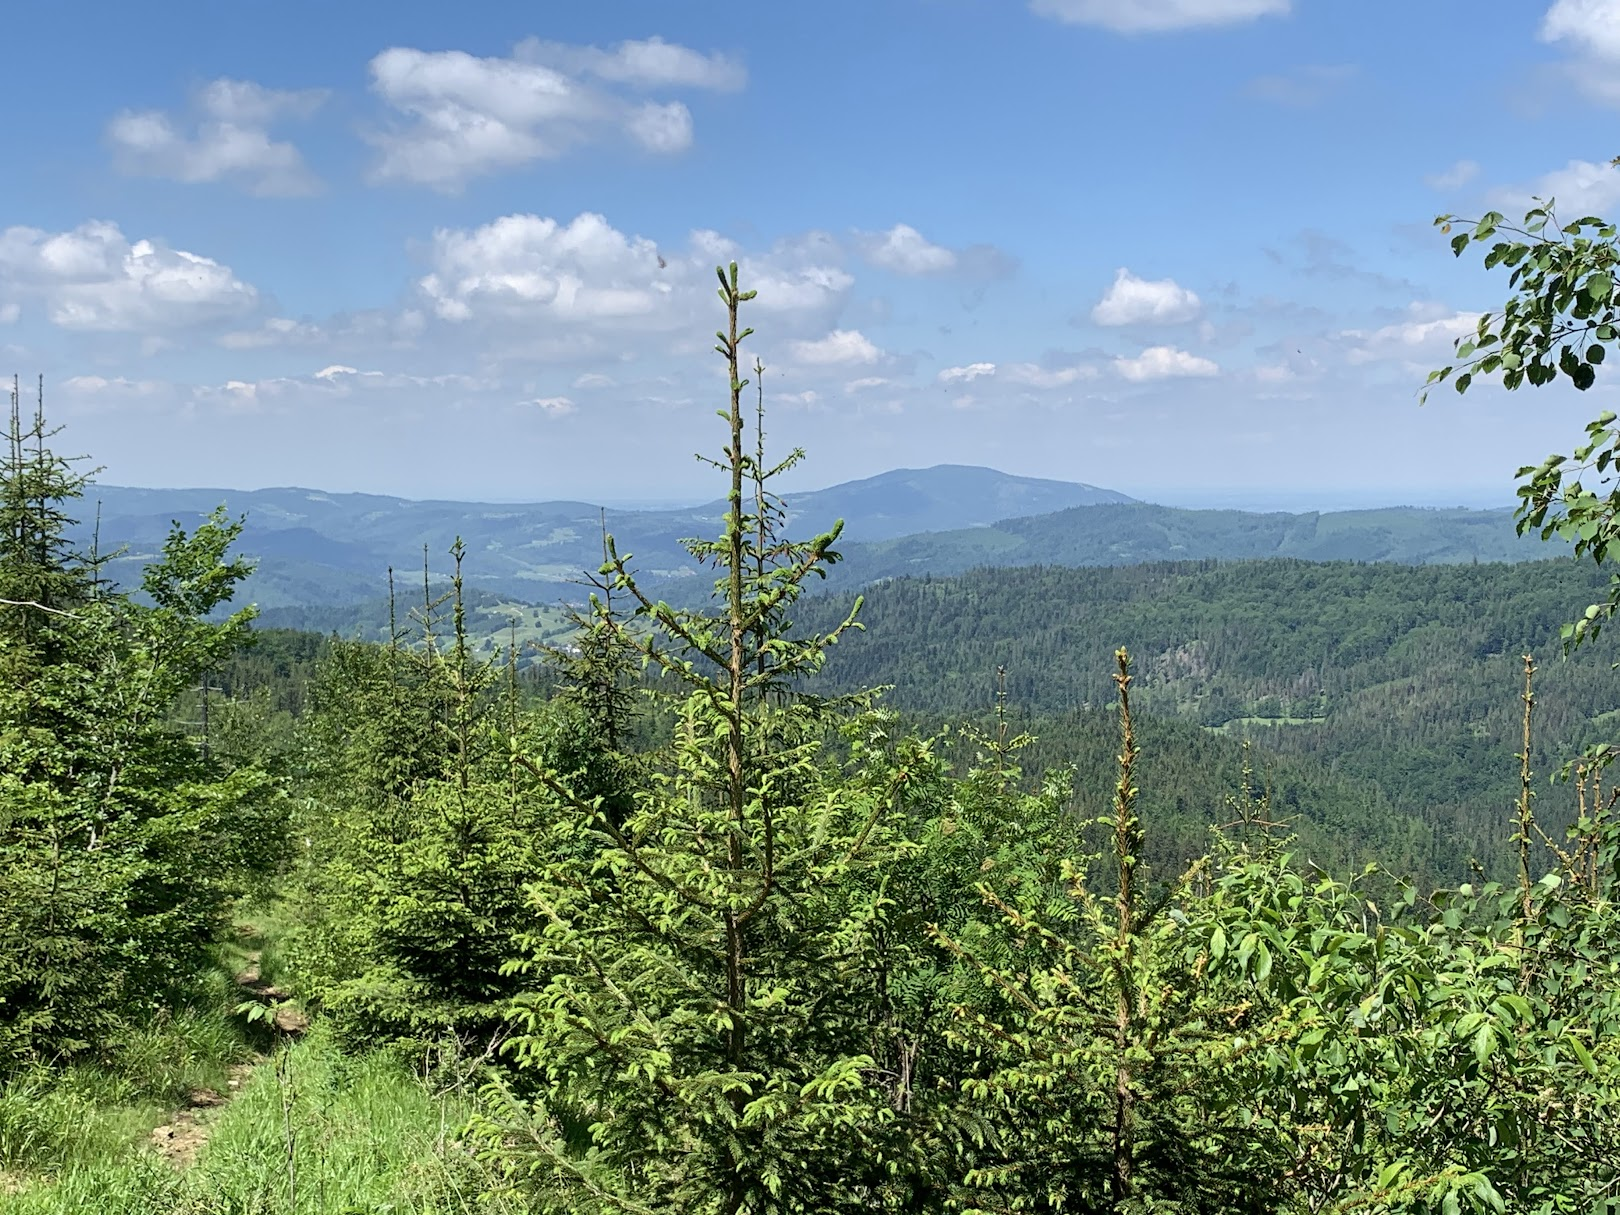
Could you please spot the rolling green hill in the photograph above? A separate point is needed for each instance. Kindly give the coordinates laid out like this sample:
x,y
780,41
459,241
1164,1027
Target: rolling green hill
x,y
320,550
1404,678
1132,533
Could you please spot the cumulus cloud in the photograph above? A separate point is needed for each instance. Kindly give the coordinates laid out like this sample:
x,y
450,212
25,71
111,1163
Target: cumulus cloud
x,y
1164,363
461,116
904,250
552,407
1453,178
93,278
967,374
1303,86
652,63
1582,187
526,264
840,348
588,279
1157,16
1420,342
1591,29
1135,301
224,138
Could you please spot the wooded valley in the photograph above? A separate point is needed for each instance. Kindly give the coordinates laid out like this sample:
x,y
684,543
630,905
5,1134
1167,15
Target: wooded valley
x,y
1215,886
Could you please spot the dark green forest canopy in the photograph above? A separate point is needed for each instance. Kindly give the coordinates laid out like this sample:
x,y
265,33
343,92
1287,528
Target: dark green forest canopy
x,y
1138,532
1397,684
1380,701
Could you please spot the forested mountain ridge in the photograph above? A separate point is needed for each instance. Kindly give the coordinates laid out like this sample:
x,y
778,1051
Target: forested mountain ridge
x,y
321,549
1405,677
1132,533
318,550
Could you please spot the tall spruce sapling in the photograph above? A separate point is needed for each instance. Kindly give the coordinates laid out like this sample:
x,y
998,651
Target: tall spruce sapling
x,y
697,1026
413,890
1098,1047
596,706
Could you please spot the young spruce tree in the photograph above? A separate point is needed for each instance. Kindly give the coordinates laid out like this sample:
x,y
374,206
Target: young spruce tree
x,y
121,843
701,972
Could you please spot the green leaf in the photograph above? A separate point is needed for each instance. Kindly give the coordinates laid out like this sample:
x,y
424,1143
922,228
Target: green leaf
x,y
1582,1055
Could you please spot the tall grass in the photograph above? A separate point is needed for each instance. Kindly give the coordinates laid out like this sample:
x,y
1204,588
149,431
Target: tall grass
x,y
55,1120
312,1133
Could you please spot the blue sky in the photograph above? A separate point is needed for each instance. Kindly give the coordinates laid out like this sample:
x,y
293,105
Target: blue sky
x,y
1176,247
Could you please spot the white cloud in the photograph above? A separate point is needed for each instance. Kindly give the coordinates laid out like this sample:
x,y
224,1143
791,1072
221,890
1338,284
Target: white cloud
x,y
552,407
463,116
1454,177
1163,363
1032,375
904,250
337,382
1425,337
1592,29
967,374
10,312
664,128
652,63
583,270
840,348
865,382
1025,375
601,283
90,385
1582,187
1157,16
225,138
92,278
275,331
1592,25
1135,301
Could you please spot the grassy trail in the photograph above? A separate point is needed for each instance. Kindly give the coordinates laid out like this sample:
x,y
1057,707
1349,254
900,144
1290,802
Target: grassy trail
x,y
215,1113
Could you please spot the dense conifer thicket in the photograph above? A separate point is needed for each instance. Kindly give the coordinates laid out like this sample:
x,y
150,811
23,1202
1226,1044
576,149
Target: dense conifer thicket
x,y
707,932
121,843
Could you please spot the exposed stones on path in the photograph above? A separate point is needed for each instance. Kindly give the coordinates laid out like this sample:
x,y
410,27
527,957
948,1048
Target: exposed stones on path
x,y
181,1139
